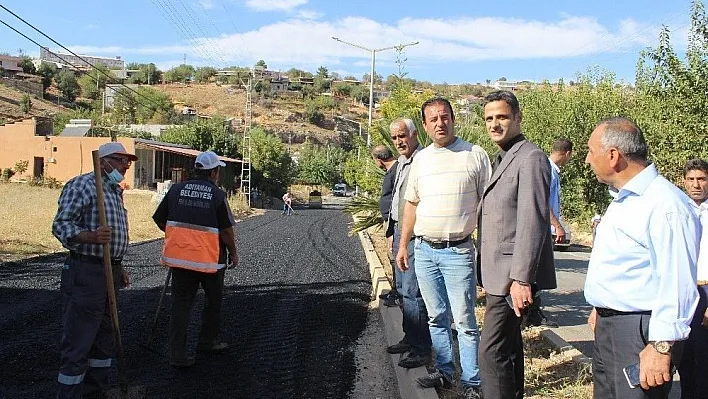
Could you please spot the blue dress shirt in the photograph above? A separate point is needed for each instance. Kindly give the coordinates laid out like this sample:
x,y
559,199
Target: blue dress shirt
x,y
644,256
554,200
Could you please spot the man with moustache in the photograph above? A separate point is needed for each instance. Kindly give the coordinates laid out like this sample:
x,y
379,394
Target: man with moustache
x,y
516,252
445,184
693,367
641,278
416,339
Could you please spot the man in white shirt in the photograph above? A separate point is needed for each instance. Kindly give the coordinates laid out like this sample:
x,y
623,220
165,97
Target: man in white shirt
x,y
694,362
641,278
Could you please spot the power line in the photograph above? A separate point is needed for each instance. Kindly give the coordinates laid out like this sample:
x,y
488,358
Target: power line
x,y
74,54
180,25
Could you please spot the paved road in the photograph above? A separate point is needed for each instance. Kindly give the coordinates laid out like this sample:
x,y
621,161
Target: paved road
x,y
294,311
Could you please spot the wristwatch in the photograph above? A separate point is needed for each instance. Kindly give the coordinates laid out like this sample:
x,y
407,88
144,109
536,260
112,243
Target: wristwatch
x,y
663,347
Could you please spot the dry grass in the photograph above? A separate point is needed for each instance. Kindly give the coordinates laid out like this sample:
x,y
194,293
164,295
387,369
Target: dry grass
x,y
548,373
26,214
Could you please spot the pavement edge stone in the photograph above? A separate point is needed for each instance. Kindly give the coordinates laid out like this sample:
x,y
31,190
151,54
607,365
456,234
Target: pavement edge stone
x,y
392,317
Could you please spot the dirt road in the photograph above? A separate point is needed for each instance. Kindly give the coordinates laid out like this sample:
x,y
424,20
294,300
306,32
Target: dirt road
x,y
294,311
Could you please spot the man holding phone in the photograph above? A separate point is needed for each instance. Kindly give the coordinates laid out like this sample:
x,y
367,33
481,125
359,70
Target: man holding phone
x,y
641,278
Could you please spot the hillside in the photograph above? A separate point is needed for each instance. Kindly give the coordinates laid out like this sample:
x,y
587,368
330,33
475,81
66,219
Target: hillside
x,y
283,116
10,105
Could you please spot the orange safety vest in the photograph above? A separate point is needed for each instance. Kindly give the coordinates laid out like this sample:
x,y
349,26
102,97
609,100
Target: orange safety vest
x,y
191,232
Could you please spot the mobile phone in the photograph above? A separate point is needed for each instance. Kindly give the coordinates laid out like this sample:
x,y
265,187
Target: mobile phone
x,y
509,301
631,373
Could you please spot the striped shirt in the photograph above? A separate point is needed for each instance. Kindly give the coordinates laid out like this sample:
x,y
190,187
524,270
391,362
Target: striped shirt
x,y
78,211
447,183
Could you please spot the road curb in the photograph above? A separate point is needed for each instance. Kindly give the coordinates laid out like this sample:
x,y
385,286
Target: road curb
x,y
392,318
564,346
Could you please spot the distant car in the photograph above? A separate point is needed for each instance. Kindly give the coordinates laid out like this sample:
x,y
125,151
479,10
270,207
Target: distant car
x,y
563,246
340,190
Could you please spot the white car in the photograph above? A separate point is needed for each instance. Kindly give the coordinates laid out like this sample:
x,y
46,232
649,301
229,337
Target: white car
x,y
340,190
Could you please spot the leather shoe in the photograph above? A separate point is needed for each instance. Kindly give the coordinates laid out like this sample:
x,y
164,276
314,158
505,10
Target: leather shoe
x,y
400,347
414,360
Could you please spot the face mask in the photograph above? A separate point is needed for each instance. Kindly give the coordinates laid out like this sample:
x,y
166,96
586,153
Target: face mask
x,y
114,177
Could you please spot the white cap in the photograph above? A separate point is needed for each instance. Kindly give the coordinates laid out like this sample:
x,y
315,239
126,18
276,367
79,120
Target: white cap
x,y
208,160
113,147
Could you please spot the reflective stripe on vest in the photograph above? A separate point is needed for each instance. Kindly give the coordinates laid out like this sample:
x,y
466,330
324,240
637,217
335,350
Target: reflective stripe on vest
x,y
70,379
191,246
99,363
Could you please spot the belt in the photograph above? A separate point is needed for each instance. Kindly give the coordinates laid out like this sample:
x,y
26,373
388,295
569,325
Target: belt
x,y
605,312
93,259
702,282
444,244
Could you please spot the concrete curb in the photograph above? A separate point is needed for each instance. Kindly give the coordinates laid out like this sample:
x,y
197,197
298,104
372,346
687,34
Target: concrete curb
x,y
392,318
564,346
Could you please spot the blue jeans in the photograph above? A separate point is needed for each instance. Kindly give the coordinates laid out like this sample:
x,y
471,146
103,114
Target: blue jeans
x,y
415,316
286,209
448,283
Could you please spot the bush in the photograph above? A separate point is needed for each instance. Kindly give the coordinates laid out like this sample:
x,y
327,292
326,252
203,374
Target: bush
x,y
7,173
21,167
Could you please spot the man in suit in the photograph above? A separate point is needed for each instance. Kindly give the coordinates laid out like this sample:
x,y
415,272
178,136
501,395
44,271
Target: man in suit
x,y
516,252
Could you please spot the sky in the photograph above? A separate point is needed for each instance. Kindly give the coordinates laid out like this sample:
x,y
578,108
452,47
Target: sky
x,y
458,41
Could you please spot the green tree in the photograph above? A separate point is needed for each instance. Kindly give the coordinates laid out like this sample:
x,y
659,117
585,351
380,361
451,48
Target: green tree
x,y
125,107
322,72
147,74
261,64
320,166
47,72
27,65
154,107
88,87
204,74
274,169
25,104
203,135
67,84
183,73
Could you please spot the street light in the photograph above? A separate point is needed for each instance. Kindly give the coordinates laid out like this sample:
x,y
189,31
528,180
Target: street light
x,y
371,77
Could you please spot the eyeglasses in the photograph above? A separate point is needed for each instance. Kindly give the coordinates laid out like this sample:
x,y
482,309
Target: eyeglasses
x,y
124,161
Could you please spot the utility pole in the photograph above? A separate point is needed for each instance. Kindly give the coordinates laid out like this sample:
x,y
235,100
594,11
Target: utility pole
x,y
373,73
185,59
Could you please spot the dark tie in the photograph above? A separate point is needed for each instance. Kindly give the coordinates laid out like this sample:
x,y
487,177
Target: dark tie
x,y
497,161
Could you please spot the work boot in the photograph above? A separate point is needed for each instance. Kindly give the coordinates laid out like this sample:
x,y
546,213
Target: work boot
x,y
400,347
436,379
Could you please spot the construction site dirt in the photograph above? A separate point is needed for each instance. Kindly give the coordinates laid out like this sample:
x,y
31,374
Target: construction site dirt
x,y
295,312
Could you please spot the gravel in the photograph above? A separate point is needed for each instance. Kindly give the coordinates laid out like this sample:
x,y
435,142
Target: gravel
x,y
295,312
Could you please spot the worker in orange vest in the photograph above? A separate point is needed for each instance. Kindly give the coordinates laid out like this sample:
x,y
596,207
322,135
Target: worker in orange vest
x,y
198,226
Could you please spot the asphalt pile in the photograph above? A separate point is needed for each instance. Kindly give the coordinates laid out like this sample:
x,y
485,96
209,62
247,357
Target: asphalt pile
x,y
293,311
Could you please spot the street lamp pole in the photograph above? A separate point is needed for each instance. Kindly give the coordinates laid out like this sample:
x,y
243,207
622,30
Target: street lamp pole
x,y
371,77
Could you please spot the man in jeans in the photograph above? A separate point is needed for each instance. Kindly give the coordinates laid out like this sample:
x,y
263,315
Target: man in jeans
x,y
445,184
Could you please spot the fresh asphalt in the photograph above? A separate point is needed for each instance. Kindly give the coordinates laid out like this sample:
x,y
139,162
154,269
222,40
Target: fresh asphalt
x,y
295,311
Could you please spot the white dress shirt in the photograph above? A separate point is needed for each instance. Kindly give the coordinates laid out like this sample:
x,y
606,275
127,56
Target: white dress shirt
x,y
644,256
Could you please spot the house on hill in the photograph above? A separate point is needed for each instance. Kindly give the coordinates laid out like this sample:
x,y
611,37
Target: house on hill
x,y
63,157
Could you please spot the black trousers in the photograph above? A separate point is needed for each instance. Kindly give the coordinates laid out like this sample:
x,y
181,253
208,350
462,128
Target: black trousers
x,y
184,289
618,341
693,368
87,343
501,351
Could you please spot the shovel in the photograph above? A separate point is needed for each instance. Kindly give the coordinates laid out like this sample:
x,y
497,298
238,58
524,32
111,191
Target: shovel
x,y
124,391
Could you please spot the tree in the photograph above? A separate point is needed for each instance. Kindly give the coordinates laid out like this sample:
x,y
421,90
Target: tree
x,y
47,71
67,84
125,107
147,73
204,135
183,73
27,65
320,166
274,169
261,64
25,104
204,74
322,72
88,87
